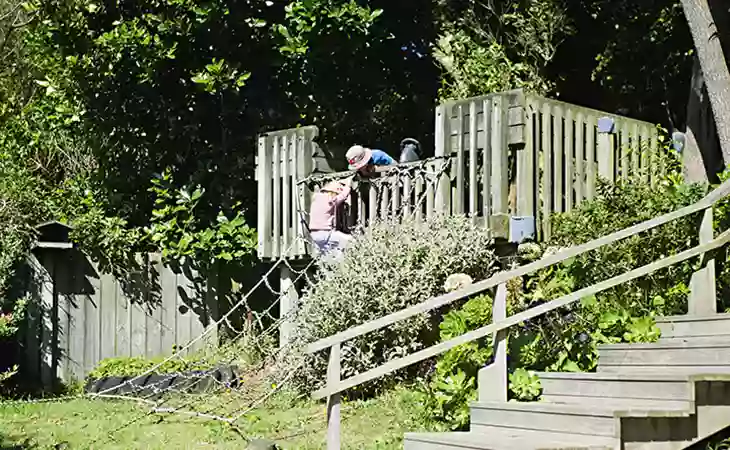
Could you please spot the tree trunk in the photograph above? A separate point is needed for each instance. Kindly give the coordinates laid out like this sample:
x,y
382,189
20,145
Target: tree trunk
x,y
714,67
701,155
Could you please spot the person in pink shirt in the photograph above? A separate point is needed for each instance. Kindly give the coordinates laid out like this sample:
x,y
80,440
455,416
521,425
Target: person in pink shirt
x,y
323,227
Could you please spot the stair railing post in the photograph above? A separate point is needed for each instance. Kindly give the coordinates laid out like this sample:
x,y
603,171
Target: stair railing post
x,y
493,382
703,294
333,401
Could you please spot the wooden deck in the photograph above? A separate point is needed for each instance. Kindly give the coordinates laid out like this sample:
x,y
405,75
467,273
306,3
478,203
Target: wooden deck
x,y
496,157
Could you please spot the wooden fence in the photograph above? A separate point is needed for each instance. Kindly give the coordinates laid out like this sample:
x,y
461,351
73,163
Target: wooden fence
x,y
496,156
78,315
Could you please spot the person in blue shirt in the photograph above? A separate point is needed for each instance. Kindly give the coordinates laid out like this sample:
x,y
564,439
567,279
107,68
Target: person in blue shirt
x,y
364,159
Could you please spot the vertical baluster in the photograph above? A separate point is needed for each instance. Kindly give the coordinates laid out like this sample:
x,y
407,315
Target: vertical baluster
x,y
395,203
580,164
635,152
591,163
487,162
286,241
569,161
407,194
547,171
277,197
557,150
457,170
385,187
373,203
625,150
473,192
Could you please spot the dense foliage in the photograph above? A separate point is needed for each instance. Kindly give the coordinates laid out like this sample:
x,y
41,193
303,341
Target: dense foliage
x,y
136,121
567,340
388,268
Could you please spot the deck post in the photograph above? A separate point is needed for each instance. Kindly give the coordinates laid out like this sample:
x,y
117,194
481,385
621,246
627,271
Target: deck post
x,y
703,294
287,304
493,382
333,401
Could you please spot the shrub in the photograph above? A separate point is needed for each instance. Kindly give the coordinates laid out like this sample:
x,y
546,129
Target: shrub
x,y
135,366
388,268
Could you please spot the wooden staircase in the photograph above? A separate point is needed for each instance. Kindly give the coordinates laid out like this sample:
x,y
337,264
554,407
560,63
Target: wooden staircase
x,y
660,396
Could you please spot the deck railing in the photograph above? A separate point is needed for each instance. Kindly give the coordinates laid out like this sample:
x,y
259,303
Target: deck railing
x,y
508,154
567,147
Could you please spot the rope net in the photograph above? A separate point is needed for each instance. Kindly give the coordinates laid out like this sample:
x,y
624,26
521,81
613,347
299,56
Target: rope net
x,y
240,372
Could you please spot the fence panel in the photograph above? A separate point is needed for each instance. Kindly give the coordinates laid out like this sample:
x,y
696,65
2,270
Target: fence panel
x,y
79,315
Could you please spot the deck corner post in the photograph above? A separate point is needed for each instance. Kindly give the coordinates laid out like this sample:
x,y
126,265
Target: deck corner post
x,y
333,401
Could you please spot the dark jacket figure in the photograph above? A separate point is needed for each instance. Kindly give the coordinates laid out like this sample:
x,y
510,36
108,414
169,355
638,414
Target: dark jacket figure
x,y
410,150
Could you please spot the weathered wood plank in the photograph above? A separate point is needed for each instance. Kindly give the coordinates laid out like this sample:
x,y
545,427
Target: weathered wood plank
x,y
396,200
487,162
299,195
407,200
473,162
529,314
442,150
265,199
703,285
591,171
385,189
48,310
493,381
333,402
547,170
635,151
75,330
606,153
92,316
526,172
286,238
624,148
457,168
431,192
645,153
168,303
569,159
500,164
107,316
373,204
580,158
276,205
559,181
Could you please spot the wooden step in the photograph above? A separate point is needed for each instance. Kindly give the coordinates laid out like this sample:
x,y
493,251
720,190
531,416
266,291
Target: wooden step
x,y
617,390
595,420
671,357
694,326
501,439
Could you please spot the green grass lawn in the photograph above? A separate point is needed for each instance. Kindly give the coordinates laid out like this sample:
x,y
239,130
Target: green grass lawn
x,y
91,424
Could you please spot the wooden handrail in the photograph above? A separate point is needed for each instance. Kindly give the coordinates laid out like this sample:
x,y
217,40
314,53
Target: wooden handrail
x,y
437,302
523,316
